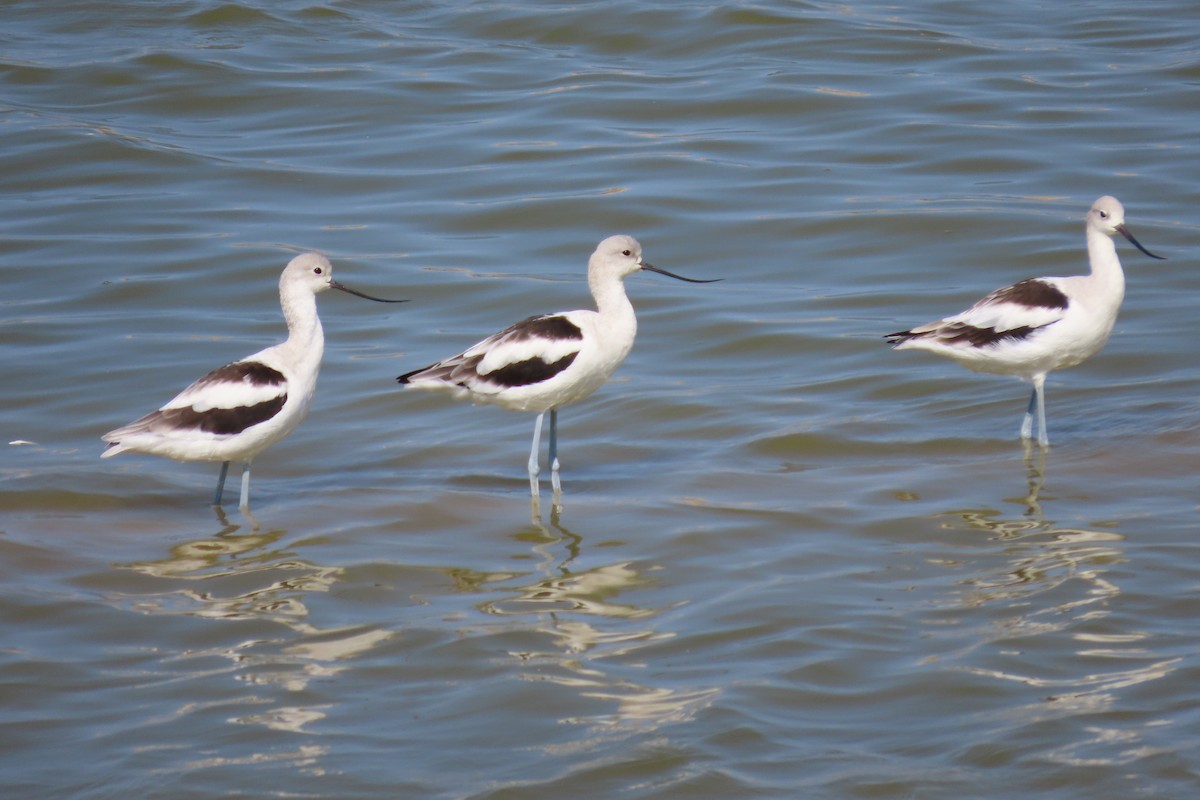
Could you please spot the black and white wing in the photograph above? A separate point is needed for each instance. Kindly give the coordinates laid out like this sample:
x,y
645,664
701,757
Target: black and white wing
x,y
532,351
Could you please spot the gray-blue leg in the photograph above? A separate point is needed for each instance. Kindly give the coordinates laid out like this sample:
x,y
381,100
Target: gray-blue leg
x,y
1037,401
554,479
245,502
1039,391
533,454
221,483
1027,422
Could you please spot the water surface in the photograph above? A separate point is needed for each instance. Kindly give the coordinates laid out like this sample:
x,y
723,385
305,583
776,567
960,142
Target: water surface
x,y
789,562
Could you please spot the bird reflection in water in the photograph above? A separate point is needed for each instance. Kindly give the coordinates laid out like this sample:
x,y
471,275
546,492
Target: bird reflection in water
x,y
218,554
251,577
594,634
1035,478
1034,607
1041,555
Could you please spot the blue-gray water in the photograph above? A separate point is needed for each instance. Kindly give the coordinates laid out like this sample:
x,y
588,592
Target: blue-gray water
x,y
791,563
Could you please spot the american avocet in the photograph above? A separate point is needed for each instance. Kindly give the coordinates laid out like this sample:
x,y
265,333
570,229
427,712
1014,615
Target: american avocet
x,y
547,361
1038,325
238,410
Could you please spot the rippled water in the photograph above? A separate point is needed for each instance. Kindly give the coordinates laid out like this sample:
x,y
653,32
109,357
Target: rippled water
x,y
790,562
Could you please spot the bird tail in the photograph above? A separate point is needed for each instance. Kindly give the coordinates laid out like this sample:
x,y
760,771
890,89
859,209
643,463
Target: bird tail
x,y
449,371
900,337
405,378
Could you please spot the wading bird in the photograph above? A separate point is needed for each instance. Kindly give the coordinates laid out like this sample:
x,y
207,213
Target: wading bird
x,y
1039,325
236,411
547,361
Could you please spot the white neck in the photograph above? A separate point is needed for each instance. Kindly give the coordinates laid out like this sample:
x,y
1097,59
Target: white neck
x,y
609,293
1106,275
618,323
306,339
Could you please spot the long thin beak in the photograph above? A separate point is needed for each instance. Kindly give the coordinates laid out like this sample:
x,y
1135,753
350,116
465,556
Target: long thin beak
x,y
348,290
653,268
1121,229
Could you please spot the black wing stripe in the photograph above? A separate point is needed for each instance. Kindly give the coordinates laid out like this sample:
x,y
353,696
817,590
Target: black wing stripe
x,y
981,337
553,327
250,372
1032,293
223,421
528,372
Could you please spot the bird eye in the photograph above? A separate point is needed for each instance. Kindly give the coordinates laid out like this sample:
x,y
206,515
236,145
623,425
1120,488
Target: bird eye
x,y
318,271
626,253
1103,215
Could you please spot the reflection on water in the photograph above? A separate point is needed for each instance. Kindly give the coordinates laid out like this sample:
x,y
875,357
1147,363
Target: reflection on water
x,y
305,757
1047,594
221,552
1035,478
570,606
588,629
560,589
231,576
282,579
1041,555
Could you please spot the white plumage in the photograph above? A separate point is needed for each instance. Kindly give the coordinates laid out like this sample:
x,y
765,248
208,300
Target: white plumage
x,y
1038,325
236,411
548,361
